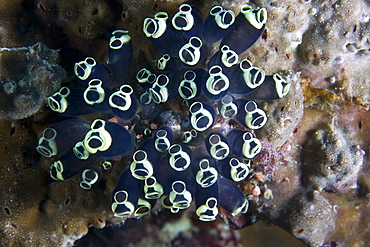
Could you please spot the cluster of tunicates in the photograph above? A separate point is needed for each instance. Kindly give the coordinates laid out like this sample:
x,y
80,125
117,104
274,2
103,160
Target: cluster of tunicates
x,y
204,160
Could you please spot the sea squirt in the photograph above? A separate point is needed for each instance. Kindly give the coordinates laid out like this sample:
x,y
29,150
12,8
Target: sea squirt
x,y
202,161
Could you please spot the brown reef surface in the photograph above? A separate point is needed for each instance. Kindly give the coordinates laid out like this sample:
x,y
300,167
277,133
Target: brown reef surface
x,y
312,178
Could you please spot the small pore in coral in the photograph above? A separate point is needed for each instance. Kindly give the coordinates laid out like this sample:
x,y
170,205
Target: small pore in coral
x,y
67,201
123,15
355,28
264,34
12,131
95,12
40,6
7,211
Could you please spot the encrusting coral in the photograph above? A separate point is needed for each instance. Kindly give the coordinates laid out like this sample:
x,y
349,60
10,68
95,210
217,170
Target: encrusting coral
x,y
28,75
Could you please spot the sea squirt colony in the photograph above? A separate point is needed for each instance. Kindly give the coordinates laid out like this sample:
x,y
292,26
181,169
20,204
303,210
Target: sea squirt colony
x,y
203,162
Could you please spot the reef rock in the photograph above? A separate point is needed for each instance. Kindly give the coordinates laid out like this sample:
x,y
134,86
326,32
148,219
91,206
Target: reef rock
x,y
332,162
27,76
311,218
